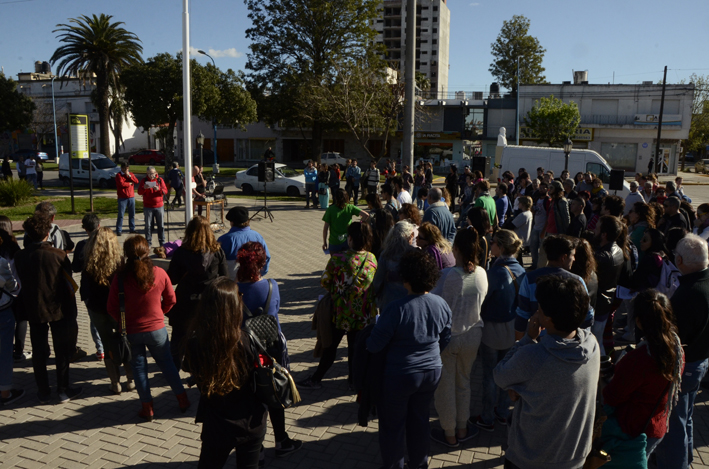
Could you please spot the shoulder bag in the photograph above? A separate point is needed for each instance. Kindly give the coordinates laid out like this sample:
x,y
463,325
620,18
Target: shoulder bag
x,y
124,351
273,384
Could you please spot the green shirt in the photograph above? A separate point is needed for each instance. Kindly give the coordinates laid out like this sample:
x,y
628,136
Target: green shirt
x,y
339,219
488,203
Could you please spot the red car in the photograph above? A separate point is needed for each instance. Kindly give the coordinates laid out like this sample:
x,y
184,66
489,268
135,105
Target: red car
x,y
147,157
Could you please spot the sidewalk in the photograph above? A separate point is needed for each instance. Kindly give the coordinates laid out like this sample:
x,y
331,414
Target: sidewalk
x,y
100,430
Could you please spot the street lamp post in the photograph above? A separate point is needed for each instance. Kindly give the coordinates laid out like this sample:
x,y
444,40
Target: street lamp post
x,y
214,121
568,145
54,113
200,142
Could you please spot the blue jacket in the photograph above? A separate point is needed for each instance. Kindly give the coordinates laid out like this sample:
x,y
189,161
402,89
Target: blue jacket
x,y
439,215
237,237
355,172
311,177
500,303
527,299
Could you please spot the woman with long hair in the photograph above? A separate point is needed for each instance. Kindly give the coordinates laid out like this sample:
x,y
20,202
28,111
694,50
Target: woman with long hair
x,y
337,219
701,222
646,381
220,358
323,186
410,212
199,260
148,297
381,222
431,240
641,218
584,266
388,285
479,220
415,330
348,277
463,287
498,313
254,294
374,203
102,258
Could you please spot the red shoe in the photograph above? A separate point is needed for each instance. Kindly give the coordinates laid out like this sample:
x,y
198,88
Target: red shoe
x,y
184,402
99,356
146,412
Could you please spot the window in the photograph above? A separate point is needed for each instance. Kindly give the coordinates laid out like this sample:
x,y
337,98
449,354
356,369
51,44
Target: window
x,y
435,30
435,19
253,171
600,171
435,52
434,41
435,8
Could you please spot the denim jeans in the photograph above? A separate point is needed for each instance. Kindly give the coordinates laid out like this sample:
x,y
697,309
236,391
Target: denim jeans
x,y
32,179
95,335
597,330
675,449
534,243
124,204
311,194
414,197
7,332
159,346
157,214
214,454
495,400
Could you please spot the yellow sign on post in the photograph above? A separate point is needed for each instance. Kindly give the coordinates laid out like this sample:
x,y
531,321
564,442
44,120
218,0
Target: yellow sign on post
x,y
79,135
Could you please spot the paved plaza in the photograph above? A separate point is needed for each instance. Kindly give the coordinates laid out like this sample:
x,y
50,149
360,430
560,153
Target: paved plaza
x,y
100,430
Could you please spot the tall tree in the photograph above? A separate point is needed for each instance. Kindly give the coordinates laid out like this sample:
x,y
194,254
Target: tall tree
x,y
699,130
294,46
16,109
96,46
42,124
552,121
514,42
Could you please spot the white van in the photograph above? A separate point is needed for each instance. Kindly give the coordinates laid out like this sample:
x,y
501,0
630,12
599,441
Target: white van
x,y
103,169
531,158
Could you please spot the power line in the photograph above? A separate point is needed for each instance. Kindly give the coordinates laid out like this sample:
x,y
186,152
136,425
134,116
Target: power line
x,y
16,1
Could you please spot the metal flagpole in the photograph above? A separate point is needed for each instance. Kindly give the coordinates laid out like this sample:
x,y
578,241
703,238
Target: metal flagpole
x,y
187,103
407,155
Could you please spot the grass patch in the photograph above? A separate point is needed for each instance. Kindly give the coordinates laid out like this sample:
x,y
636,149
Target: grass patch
x,y
104,207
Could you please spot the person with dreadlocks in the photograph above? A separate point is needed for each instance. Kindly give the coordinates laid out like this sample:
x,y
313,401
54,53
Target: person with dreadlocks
x,y
646,384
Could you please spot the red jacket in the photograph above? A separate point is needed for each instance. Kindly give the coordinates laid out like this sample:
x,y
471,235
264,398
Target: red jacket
x,y
124,185
152,198
145,311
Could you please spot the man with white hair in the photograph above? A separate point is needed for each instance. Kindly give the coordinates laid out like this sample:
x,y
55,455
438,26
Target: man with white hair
x,y
690,304
632,198
439,215
153,189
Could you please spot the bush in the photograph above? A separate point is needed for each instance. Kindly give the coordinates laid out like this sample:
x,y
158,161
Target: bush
x,y
14,191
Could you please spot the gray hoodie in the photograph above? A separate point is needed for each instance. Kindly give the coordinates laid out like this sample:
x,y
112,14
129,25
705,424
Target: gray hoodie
x,y
551,426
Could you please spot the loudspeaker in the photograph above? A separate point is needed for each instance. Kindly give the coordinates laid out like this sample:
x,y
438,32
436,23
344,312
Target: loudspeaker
x,y
266,171
617,177
479,164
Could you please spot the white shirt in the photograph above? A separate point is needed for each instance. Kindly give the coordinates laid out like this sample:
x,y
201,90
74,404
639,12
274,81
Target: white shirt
x,y
631,199
29,166
404,198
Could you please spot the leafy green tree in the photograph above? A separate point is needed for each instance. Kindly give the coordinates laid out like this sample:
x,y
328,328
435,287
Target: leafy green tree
x,y
552,121
16,110
294,46
96,46
699,129
513,42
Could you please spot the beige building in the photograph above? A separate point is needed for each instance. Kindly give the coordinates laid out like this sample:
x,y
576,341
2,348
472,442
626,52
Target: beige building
x,y
432,44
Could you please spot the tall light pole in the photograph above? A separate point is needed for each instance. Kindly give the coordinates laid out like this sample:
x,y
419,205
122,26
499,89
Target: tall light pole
x,y
407,156
214,122
187,105
200,142
54,112
517,118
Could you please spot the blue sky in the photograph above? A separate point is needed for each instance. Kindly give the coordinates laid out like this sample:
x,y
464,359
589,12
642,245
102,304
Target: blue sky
x,y
634,39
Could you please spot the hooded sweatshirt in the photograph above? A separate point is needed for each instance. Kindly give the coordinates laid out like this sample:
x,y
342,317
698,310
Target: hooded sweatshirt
x,y
552,423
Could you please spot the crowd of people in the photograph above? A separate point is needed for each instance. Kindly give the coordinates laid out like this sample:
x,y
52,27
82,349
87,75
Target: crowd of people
x,y
608,322
30,169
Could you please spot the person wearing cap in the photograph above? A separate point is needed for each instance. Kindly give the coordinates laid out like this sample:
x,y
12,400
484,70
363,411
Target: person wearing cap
x,y
240,234
557,210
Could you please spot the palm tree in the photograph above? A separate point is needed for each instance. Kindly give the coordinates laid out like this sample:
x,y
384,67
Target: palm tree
x,y
96,46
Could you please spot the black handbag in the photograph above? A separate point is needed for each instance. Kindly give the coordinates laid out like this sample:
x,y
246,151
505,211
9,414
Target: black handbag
x,y
124,351
273,384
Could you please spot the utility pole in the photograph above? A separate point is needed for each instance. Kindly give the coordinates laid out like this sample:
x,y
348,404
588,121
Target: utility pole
x,y
407,156
517,119
187,107
659,125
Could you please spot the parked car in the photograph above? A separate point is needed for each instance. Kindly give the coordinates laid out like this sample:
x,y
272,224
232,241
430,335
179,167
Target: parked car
x,y
22,155
147,157
103,171
287,181
701,167
330,159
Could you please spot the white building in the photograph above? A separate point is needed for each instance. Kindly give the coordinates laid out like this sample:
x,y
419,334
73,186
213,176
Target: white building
x,y
618,121
432,44
72,96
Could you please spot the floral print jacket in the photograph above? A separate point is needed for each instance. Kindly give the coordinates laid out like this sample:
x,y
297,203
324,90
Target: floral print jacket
x,y
348,277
